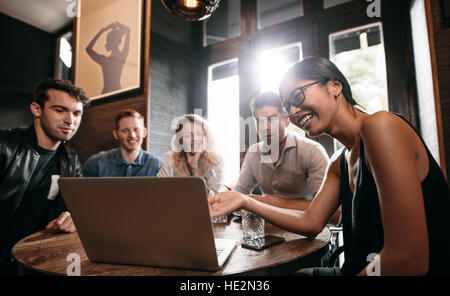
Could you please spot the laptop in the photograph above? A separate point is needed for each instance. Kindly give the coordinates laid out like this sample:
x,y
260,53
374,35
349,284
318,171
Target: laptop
x,y
150,221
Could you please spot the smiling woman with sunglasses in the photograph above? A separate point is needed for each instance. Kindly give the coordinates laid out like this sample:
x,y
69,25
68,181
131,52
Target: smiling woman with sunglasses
x,y
394,197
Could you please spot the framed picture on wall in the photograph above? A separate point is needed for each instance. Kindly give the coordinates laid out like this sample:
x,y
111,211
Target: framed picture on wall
x,y
108,47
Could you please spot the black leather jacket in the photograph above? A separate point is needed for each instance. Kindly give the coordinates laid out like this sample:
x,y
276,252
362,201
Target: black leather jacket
x,y
18,159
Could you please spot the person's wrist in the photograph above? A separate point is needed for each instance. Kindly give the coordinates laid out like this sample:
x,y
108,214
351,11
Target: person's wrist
x,y
245,201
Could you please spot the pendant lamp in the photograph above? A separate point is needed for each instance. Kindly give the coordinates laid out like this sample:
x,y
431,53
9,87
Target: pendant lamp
x,y
191,10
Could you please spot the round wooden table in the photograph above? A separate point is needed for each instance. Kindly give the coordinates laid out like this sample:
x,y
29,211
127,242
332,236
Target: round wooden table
x,y
49,253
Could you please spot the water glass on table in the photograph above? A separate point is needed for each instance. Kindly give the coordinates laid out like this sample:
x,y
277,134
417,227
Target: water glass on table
x,y
252,225
221,218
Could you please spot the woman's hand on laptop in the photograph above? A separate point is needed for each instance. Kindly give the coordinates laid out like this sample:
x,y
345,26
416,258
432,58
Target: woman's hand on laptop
x,y
63,223
226,202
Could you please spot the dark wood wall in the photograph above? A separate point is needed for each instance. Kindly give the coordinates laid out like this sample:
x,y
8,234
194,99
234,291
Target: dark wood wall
x,y
28,56
95,132
440,50
173,66
168,87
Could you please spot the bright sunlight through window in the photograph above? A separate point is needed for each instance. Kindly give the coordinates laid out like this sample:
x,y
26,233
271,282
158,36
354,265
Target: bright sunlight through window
x,y
273,64
65,52
223,115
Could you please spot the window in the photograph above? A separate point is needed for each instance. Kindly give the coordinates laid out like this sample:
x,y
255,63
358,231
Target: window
x,y
224,23
273,64
425,91
274,12
331,3
64,56
359,54
223,114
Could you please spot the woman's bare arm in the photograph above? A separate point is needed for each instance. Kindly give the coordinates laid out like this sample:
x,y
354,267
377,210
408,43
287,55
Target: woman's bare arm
x,y
309,222
295,204
282,202
126,46
90,48
392,150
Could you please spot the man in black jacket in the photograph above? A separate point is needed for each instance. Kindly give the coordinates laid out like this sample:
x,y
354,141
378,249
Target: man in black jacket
x,y
31,161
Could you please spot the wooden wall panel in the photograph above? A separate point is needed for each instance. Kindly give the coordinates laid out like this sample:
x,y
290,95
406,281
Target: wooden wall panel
x,y
95,132
440,51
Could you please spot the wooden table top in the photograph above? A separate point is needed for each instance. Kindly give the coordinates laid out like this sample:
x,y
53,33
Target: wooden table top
x,y
47,252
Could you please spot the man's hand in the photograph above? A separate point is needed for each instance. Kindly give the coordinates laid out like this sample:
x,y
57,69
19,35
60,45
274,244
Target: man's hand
x,y
63,223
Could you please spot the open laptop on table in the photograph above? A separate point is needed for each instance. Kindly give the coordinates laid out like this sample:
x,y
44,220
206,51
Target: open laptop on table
x,y
149,221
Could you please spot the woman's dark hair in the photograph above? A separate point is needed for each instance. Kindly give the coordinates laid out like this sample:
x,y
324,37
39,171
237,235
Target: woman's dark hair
x,y
318,68
40,91
266,99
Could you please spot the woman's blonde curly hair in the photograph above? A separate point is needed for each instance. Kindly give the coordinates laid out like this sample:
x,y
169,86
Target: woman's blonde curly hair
x,y
209,158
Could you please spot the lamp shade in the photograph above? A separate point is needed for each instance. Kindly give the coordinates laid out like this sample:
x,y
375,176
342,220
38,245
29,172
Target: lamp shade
x,y
191,10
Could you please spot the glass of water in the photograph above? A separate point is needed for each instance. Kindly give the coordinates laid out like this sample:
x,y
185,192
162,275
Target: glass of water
x,y
220,219
252,225
212,191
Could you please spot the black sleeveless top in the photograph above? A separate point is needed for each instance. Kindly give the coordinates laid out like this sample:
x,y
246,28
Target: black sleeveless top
x,y
361,218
